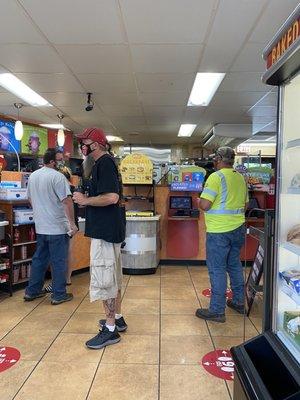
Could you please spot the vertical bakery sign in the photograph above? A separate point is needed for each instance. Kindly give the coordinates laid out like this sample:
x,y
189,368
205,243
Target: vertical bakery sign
x,y
35,140
137,169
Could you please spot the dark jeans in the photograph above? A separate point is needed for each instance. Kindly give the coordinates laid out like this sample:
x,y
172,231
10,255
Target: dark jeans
x,y
50,249
223,255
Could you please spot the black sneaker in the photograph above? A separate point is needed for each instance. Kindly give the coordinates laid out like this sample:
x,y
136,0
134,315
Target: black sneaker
x,y
36,296
68,297
120,324
204,313
239,308
104,338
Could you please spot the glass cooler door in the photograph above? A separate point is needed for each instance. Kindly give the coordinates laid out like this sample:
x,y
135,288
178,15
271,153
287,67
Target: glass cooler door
x,y
286,306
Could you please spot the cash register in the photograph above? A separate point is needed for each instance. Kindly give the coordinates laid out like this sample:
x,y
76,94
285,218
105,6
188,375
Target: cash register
x,y
182,205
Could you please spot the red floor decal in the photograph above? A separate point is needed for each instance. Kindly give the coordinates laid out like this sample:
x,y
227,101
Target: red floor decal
x,y
219,363
9,356
207,293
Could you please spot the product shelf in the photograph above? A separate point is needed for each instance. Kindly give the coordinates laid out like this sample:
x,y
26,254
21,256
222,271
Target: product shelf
x,y
293,248
24,243
22,261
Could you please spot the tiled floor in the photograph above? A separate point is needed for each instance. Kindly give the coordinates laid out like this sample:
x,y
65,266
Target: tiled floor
x,y
157,358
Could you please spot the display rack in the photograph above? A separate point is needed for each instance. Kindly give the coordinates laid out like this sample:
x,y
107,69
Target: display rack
x,y
135,194
21,242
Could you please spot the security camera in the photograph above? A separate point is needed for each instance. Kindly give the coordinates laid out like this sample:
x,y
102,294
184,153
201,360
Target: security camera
x,y
90,103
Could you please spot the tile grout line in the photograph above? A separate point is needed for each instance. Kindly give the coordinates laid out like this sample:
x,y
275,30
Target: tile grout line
x,y
99,362
209,332
18,391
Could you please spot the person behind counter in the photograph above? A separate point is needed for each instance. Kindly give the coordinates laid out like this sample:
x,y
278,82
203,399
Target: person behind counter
x,y
224,200
105,225
49,194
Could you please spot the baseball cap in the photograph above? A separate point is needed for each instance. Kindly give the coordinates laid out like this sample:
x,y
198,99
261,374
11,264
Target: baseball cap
x,y
225,153
94,134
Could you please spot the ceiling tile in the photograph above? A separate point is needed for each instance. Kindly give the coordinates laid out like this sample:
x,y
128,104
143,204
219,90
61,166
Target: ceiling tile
x,y
164,111
8,99
243,82
233,99
193,115
58,82
168,21
69,21
96,58
166,58
100,83
269,99
117,98
122,111
165,98
128,122
217,115
250,59
165,82
30,58
260,111
16,27
64,99
227,36
274,16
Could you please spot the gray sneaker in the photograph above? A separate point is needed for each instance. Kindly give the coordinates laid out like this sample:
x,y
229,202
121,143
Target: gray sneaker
x,y
68,297
103,339
120,324
27,297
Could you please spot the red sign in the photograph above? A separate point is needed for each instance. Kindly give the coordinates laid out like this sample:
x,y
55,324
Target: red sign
x,y
286,40
68,146
9,356
207,293
219,363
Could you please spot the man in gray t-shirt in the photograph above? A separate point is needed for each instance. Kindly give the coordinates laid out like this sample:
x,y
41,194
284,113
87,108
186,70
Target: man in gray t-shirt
x,y
53,211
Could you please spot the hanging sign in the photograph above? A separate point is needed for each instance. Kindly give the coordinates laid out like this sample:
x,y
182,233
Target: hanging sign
x,y
7,135
9,356
219,363
136,169
35,140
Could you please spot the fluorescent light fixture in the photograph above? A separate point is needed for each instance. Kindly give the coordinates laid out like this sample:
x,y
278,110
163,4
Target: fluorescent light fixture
x,y
53,126
204,88
186,130
17,87
111,138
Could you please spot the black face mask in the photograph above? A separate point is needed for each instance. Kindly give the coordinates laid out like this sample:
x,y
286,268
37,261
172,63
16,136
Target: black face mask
x,y
88,146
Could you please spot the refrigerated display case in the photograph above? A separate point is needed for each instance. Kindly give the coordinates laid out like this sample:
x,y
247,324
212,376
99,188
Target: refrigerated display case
x,y
268,366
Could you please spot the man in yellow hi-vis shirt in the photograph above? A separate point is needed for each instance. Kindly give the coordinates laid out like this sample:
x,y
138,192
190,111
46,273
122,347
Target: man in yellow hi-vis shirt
x,y
224,200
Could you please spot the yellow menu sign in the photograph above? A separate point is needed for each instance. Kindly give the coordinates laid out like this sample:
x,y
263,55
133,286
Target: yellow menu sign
x,y
137,169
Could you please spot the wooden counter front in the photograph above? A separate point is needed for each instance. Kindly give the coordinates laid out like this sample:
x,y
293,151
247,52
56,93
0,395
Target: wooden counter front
x,y
80,251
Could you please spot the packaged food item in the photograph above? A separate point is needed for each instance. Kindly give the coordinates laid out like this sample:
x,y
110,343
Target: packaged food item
x,y
293,235
16,235
28,270
291,284
16,273
23,270
23,252
291,324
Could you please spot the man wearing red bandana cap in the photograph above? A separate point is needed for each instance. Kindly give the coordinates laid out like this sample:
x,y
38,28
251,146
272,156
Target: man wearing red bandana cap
x,y
105,225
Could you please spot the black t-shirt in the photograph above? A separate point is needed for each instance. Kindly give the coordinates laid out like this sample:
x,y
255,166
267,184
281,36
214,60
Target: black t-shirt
x,y
107,223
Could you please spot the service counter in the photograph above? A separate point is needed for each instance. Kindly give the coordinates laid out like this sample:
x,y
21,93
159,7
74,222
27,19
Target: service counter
x,y
184,239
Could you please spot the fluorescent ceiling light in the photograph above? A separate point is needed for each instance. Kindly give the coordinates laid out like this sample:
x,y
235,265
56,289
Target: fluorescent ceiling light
x,y
53,126
204,88
17,87
111,138
186,130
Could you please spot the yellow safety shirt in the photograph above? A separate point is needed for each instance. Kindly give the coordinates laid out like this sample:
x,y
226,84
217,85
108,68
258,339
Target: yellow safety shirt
x,y
228,192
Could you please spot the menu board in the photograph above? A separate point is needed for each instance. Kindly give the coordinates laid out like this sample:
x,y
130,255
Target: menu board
x,y
7,135
187,178
137,169
35,140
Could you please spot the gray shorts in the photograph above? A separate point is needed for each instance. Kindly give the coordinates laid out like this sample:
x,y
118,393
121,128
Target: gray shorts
x,y
105,270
